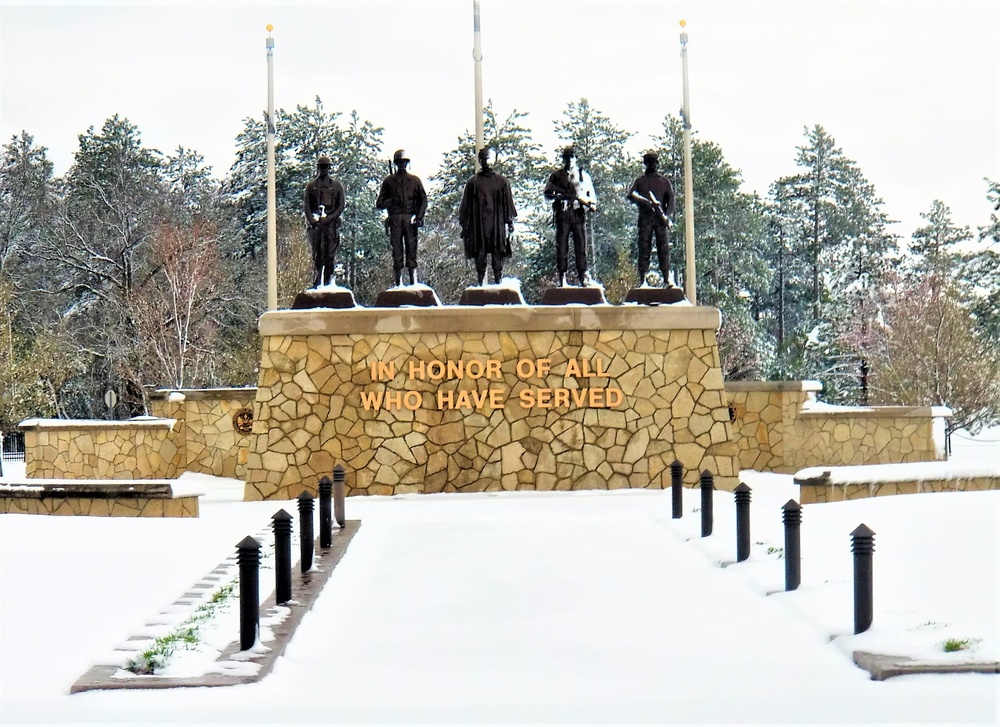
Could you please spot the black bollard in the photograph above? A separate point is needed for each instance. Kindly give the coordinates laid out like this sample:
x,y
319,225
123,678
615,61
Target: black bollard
x,y
306,536
248,557
742,495
325,514
677,488
791,516
862,545
339,478
282,524
707,486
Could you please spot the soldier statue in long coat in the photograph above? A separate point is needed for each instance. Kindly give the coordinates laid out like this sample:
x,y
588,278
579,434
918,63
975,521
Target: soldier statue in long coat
x,y
487,218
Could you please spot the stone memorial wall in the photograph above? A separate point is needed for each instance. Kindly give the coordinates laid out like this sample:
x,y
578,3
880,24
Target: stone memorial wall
x,y
779,426
140,448
212,427
493,398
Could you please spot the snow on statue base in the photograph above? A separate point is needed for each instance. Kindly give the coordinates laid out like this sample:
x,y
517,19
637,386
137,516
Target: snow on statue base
x,y
655,296
573,295
506,292
408,295
324,297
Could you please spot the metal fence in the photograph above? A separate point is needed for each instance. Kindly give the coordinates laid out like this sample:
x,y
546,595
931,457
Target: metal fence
x,y
12,448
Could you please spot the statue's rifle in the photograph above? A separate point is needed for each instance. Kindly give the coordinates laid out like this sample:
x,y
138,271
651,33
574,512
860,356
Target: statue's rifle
x,y
651,200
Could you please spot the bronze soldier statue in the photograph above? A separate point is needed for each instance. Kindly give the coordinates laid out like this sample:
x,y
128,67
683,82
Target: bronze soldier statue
x,y
323,206
572,195
487,208
654,196
403,197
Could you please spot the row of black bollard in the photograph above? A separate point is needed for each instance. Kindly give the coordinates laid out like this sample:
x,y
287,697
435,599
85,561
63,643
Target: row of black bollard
x,y
862,539
248,551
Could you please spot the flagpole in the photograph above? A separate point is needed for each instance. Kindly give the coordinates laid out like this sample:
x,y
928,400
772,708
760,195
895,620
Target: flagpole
x,y
272,246
477,56
690,276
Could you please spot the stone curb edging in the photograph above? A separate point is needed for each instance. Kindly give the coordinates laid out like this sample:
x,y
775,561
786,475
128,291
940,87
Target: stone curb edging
x,y
884,666
305,589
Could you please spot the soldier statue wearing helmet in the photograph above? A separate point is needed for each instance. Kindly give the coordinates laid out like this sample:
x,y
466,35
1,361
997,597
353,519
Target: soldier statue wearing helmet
x,y
324,203
403,198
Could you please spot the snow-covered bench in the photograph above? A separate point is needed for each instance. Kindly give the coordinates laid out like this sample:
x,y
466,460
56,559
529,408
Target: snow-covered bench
x,y
831,484
114,498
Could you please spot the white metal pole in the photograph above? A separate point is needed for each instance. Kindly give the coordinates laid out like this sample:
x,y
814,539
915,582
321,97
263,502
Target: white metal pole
x,y
690,275
272,234
477,56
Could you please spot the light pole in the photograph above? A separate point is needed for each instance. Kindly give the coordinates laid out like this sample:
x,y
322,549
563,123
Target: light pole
x,y
690,280
477,56
272,233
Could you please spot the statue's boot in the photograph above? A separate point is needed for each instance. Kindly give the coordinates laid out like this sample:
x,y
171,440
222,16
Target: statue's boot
x,y
562,280
497,272
399,277
584,277
413,276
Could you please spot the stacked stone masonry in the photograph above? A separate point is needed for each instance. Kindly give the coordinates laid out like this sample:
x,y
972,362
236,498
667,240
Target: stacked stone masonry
x,y
205,431
186,506
114,450
818,490
780,427
104,498
316,364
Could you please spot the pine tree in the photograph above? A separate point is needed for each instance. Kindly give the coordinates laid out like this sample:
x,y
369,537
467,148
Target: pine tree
x,y
981,271
25,197
831,220
302,136
357,162
730,230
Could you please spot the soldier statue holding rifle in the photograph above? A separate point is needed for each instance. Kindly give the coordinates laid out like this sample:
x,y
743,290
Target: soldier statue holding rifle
x,y
572,194
654,197
403,198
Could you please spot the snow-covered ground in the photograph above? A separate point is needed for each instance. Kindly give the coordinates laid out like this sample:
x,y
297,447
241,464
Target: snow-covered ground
x,y
529,607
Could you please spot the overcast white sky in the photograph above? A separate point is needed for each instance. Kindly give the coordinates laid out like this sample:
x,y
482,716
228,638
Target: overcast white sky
x,y
909,90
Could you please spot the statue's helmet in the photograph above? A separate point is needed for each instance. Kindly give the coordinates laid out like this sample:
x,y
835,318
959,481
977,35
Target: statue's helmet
x,y
650,156
400,156
324,161
569,152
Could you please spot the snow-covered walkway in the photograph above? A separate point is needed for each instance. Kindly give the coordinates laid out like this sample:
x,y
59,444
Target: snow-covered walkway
x,y
524,607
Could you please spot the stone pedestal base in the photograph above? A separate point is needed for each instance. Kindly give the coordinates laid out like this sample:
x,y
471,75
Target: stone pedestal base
x,y
570,296
483,295
324,299
655,296
399,297
473,399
